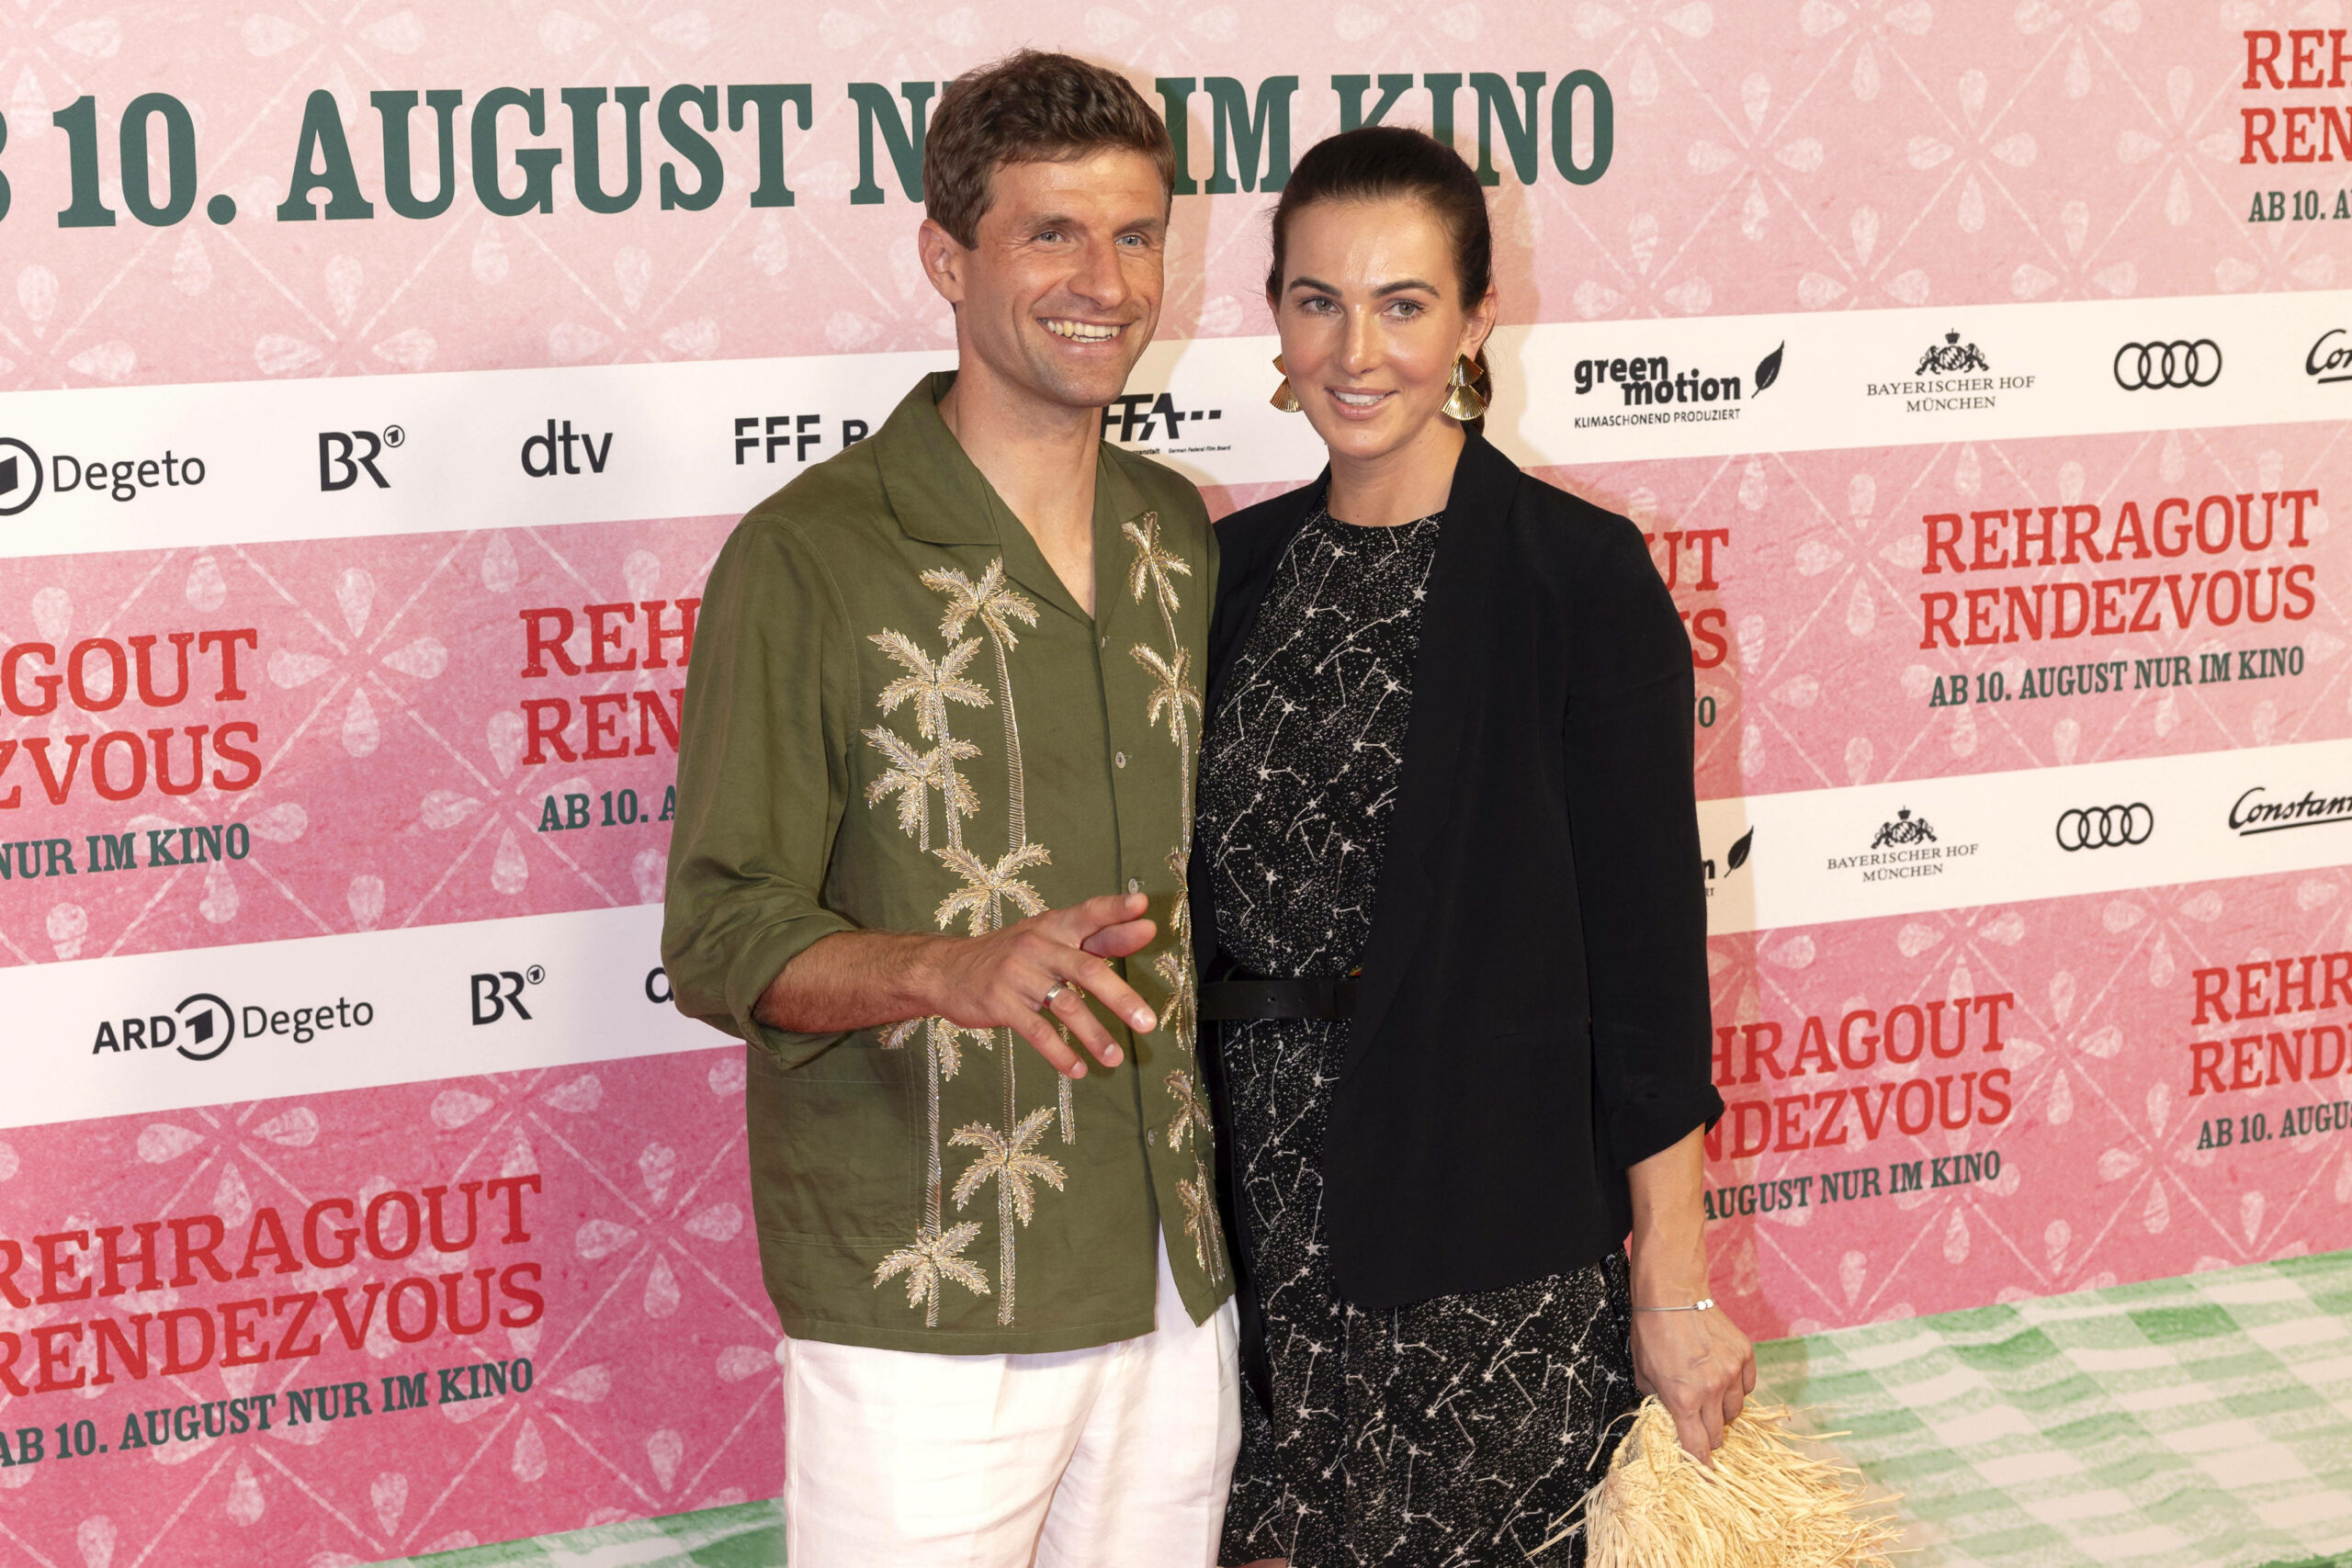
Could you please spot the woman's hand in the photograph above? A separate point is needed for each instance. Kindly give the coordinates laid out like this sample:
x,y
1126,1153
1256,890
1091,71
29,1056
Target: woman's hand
x,y
1699,1365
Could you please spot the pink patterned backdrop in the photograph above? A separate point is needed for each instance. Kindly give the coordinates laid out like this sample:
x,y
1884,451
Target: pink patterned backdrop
x,y
1796,156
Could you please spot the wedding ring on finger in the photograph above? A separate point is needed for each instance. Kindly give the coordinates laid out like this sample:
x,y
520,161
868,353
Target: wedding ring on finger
x,y
1056,989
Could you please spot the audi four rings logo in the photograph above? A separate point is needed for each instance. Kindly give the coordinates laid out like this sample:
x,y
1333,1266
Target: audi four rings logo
x,y
2105,827
2146,367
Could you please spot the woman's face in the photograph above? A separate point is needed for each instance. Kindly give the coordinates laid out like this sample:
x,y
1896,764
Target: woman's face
x,y
1372,318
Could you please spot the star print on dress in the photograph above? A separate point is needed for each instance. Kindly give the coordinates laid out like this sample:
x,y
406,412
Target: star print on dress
x,y
1452,1433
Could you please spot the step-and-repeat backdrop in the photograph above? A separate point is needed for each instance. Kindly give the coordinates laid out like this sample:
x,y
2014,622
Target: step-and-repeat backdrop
x,y
381,384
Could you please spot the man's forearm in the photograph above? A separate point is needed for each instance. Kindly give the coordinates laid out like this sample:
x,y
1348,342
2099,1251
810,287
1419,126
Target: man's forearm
x,y
850,980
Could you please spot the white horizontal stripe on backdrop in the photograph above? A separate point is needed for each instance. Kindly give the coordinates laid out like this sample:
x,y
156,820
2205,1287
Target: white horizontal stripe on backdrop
x,y
441,1002
692,439
442,998
1816,856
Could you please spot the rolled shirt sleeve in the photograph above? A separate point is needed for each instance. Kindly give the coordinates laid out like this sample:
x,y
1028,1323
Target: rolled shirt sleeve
x,y
762,780
1635,830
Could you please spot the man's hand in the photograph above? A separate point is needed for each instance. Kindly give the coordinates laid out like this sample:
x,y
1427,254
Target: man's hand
x,y
1003,979
1699,1365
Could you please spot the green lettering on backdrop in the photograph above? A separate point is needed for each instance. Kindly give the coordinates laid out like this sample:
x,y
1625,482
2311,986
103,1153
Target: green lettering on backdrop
x,y
587,175
769,98
1246,129
322,162
692,145
903,139
400,188
537,163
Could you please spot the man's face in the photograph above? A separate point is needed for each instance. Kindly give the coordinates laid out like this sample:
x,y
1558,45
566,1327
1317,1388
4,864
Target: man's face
x,y
1060,291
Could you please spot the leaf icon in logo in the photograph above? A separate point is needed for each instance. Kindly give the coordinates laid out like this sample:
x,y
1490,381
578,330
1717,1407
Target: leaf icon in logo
x,y
1737,856
1769,370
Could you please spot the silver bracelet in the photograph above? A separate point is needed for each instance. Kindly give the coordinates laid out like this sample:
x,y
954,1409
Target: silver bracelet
x,y
1701,1304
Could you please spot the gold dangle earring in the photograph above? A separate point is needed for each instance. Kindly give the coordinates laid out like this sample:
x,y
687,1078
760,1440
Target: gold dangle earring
x,y
1283,398
1462,400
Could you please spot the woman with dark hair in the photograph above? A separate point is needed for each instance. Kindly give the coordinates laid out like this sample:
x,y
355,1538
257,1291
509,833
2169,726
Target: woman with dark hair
x,y
1451,929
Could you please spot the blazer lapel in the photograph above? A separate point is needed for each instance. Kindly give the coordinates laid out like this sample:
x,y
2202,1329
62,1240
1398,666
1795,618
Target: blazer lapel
x,y
1450,666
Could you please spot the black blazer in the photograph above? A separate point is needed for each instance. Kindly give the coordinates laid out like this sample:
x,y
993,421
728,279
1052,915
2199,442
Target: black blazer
x,y
1533,1015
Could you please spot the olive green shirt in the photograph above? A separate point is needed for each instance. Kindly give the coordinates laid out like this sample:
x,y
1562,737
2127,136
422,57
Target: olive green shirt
x,y
899,719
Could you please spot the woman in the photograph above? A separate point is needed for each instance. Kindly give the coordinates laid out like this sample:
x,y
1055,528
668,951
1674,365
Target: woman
x,y
1452,926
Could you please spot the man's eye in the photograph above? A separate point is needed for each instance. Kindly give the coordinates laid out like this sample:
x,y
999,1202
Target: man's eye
x,y
1049,234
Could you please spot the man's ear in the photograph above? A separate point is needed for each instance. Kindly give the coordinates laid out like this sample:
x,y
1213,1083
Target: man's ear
x,y
942,258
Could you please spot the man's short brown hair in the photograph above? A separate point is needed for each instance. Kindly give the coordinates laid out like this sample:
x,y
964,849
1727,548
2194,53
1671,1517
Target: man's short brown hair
x,y
1029,107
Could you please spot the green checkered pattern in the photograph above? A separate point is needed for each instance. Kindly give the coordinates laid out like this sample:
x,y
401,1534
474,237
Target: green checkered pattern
x,y
2183,1423
2203,1421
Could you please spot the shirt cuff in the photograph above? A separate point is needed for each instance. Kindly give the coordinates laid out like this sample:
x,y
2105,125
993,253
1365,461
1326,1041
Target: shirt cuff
x,y
757,964
1657,1118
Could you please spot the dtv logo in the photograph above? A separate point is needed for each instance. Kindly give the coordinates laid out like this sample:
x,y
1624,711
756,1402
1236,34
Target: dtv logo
x,y
551,454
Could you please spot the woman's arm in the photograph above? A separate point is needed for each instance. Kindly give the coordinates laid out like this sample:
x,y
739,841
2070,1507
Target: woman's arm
x,y
1698,1364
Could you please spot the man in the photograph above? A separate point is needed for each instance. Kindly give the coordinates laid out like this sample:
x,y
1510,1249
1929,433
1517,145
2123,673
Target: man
x,y
947,682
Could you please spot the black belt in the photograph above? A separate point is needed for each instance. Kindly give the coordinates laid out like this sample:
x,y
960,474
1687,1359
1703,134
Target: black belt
x,y
1225,999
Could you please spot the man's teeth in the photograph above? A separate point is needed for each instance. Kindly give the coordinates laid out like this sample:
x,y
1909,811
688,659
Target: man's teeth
x,y
1082,331
1359,400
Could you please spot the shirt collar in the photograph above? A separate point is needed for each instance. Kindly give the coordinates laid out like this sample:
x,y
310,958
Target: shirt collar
x,y
939,496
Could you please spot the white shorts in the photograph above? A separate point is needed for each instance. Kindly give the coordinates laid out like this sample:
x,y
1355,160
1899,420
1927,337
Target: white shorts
x,y
1115,1457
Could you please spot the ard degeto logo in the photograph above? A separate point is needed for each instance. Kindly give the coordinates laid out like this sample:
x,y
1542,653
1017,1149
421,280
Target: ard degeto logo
x,y
2259,810
2330,359
2153,366
20,476
2105,827
201,1026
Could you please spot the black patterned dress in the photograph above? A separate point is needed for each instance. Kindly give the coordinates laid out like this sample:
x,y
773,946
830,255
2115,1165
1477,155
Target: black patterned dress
x,y
1454,1432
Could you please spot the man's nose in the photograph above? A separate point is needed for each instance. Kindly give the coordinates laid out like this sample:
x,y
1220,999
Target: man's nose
x,y
1099,280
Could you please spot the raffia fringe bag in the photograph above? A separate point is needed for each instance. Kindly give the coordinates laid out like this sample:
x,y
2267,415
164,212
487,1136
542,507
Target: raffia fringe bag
x,y
1766,1504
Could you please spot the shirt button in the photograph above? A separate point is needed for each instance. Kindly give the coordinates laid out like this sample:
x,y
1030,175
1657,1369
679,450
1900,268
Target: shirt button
x,y
1135,885
1120,758
1106,640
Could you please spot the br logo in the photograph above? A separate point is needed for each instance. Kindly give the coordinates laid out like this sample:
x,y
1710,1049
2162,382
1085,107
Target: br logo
x,y
496,994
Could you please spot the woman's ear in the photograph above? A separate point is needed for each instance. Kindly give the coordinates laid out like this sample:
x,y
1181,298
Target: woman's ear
x,y
1479,323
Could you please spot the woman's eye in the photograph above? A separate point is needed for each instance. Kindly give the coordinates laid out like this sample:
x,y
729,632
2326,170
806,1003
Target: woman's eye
x,y
1405,310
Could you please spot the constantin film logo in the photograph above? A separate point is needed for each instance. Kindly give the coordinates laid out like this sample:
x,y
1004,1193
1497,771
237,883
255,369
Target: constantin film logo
x,y
2105,827
2259,810
1905,846
1952,375
2330,358
201,1026
2155,366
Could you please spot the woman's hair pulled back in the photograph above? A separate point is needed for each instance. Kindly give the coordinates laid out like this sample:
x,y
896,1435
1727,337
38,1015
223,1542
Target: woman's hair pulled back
x,y
1385,162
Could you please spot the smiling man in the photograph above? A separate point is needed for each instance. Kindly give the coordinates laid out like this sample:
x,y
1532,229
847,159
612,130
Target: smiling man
x,y
935,809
